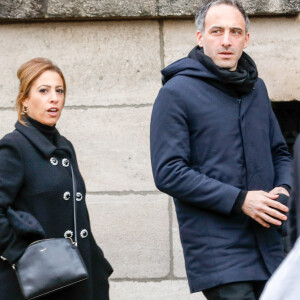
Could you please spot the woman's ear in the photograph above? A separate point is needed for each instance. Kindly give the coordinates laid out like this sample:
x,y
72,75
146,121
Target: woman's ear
x,y
25,102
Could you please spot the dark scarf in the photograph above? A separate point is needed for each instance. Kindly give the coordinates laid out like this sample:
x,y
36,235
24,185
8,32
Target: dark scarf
x,y
48,131
238,82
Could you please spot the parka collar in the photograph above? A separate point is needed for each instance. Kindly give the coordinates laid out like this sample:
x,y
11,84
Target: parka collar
x,y
41,142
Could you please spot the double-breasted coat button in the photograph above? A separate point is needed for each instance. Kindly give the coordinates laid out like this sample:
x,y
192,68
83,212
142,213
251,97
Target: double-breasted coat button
x,y
84,233
68,234
79,196
53,161
67,195
65,162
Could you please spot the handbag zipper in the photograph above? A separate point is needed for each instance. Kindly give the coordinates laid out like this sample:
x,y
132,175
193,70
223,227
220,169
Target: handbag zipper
x,y
35,242
38,241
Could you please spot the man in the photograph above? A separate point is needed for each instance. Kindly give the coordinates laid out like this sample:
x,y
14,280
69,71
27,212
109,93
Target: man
x,y
217,149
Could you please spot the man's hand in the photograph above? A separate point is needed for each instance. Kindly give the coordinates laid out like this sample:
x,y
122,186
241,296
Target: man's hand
x,y
279,190
261,206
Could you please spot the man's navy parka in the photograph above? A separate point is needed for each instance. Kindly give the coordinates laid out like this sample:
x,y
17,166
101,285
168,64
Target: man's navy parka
x,y
207,146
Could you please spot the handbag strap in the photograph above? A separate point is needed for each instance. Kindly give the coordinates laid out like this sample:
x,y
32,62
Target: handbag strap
x,y
74,205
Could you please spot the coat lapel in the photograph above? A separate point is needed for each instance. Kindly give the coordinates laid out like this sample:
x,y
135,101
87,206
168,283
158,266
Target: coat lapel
x,y
41,142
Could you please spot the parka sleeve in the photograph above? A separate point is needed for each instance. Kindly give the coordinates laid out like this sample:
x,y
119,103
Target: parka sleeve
x,y
280,155
11,177
170,156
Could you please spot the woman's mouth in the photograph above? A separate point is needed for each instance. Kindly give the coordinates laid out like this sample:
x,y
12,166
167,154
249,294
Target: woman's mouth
x,y
53,111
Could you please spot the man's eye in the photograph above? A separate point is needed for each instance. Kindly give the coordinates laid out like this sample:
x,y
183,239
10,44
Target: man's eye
x,y
61,91
217,31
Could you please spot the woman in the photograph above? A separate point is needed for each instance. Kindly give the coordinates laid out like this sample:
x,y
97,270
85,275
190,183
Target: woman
x,y
35,177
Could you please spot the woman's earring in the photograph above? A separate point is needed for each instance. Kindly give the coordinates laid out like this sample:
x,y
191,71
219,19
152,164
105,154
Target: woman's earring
x,y
24,110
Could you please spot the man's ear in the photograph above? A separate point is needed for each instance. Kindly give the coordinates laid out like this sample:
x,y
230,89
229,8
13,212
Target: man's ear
x,y
199,38
247,37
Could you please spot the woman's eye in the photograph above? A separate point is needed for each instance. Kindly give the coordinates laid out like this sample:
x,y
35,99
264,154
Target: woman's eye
x,y
61,91
43,91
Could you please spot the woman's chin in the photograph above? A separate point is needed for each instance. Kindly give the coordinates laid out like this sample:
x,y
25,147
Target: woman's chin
x,y
48,122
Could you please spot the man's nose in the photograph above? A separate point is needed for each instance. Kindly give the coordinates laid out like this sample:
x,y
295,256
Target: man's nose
x,y
226,42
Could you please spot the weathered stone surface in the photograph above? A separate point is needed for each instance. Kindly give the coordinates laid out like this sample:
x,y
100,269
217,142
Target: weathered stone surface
x,y
178,259
252,7
58,9
104,63
273,46
83,9
21,9
102,9
112,147
162,290
133,231
179,39
8,119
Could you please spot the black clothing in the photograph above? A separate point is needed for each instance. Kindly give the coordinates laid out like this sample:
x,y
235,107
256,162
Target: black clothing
x,y
35,177
237,207
235,83
50,132
250,290
206,147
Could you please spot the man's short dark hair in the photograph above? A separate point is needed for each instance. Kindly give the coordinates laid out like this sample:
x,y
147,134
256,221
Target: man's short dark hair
x,y
201,14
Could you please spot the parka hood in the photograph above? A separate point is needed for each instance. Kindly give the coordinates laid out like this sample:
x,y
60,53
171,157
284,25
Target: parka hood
x,y
187,67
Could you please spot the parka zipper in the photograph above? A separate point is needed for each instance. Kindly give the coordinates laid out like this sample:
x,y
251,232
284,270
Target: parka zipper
x,y
242,140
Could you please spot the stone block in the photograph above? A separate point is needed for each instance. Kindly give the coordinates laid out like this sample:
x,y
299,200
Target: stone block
x,y
104,63
24,9
8,119
179,39
100,9
178,258
133,231
273,46
59,9
112,146
162,290
253,7
16,10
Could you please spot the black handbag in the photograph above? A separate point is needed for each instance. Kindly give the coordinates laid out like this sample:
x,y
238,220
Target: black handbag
x,y
49,265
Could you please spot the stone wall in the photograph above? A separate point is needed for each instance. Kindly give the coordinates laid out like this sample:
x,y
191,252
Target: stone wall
x,y
112,69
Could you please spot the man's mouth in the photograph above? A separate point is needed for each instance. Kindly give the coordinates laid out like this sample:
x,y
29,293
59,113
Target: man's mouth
x,y
226,54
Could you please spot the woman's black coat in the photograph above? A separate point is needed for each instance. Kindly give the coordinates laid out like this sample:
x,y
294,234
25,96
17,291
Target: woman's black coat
x,y
35,177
